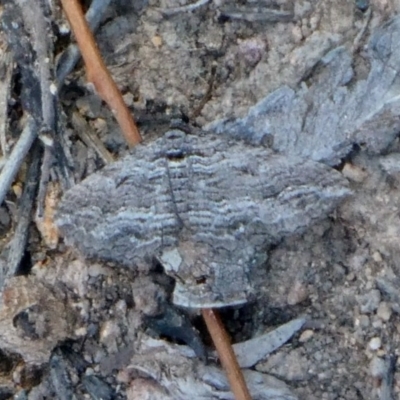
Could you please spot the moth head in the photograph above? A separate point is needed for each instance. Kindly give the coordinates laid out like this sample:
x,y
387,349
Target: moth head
x,y
205,277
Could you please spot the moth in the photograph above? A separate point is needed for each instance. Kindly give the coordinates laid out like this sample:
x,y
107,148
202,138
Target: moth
x,y
206,206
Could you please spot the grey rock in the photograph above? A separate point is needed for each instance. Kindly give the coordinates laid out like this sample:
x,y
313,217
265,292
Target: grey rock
x,y
391,165
254,350
389,286
98,388
323,121
206,206
60,378
369,302
180,376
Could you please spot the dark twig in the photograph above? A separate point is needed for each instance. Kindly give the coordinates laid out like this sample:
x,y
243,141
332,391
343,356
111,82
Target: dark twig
x,y
25,206
18,153
97,72
44,177
38,26
361,33
206,98
29,36
387,380
35,22
264,15
226,354
20,43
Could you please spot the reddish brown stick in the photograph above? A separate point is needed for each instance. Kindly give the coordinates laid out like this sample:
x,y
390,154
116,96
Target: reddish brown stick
x,y
226,354
97,72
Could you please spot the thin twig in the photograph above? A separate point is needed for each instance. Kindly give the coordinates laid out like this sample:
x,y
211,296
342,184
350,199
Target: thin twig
x,y
206,98
18,153
33,48
5,85
71,55
25,206
35,22
21,44
226,354
386,389
97,72
189,7
30,41
47,162
250,352
265,15
361,33
85,132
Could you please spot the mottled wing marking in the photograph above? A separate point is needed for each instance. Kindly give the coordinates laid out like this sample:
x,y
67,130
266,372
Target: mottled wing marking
x,y
206,206
241,199
122,213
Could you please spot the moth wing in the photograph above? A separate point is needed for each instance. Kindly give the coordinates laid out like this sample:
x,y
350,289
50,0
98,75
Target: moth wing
x,y
241,199
123,213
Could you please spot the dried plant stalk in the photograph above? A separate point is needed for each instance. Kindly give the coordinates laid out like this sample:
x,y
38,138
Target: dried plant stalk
x,y
226,354
97,72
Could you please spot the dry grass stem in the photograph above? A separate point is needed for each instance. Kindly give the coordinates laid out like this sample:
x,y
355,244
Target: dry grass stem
x,y
97,72
226,354
90,138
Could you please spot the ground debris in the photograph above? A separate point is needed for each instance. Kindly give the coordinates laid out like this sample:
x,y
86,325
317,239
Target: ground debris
x,y
254,350
214,67
33,319
325,119
172,374
255,197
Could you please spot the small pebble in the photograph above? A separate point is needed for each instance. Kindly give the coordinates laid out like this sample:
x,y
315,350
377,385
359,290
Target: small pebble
x,y
297,34
297,293
123,376
121,307
362,321
4,217
353,173
128,98
251,50
377,367
362,5
109,333
375,344
339,270
97,269
322,376
99,124
369,302
17,189
377,324
306,336
358,260
157,41
89,105
82,331
377,257
351,276
384,311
